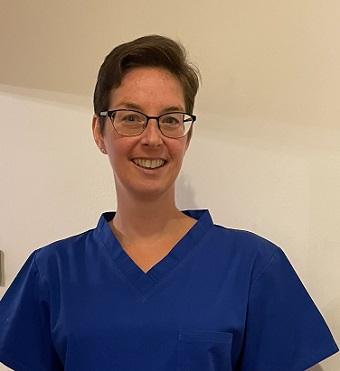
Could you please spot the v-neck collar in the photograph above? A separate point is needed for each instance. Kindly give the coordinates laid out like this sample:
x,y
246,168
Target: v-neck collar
x,y
144,282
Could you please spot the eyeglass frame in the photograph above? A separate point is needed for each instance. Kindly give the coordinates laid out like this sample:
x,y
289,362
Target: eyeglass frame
x,y
110,113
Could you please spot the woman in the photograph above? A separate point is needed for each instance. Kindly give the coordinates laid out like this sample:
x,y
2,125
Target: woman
x,y
153,288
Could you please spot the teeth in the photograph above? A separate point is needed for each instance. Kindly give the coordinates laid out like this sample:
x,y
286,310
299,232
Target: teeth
x,y
149,164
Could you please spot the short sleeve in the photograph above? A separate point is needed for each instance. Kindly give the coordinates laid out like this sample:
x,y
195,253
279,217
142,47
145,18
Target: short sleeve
x,y
25,336
284,329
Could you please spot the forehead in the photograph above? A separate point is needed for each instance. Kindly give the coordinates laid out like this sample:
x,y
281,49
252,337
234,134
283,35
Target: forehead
x,y
149,88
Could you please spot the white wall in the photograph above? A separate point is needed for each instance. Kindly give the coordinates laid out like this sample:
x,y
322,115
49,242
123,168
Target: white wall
x,y
265,154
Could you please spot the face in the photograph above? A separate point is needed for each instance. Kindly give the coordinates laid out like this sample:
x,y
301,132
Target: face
x,y
153,91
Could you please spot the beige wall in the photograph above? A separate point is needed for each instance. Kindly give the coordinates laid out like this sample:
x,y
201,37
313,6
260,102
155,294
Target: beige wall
x,y
265,154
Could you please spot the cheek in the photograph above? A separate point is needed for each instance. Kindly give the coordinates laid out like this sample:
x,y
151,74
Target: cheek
x,y
181,149
115,152
117,146
119,150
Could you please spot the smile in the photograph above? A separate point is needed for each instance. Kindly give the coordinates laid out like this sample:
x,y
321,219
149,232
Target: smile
x,y
149,164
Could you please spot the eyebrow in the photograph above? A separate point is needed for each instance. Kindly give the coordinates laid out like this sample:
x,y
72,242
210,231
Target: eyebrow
x,y
135,106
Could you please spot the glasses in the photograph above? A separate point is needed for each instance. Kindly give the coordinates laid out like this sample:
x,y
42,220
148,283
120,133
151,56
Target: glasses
x,y
132,123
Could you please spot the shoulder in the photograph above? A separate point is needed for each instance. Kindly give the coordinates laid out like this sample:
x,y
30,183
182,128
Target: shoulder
x,y
240,249
237,241
63,252
65,245
247,247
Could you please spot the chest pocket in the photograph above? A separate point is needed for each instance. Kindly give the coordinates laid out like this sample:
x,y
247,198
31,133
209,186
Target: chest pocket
x,y
204,351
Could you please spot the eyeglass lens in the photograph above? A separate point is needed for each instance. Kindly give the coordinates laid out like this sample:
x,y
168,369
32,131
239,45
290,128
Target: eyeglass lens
x,y
172,124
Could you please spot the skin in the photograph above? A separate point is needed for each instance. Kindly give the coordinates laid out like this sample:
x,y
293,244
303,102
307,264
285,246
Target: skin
x,y
147,222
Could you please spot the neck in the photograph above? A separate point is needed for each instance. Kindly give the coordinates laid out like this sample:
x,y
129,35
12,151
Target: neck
x,y
148,229
141,218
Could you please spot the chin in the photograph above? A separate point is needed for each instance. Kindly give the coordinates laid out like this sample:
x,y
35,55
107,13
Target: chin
x,y
152,194
146,190
149,192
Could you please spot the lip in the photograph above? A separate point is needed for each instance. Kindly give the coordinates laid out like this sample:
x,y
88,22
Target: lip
x,y
149,170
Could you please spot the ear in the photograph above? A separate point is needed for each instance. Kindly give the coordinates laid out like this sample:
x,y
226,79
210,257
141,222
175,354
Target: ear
x,y
189,135
97,134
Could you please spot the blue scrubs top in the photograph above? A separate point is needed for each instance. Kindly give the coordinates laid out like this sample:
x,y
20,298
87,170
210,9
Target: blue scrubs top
x,y
221,300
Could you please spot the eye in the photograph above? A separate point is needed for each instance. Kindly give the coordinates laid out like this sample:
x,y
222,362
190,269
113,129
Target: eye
x,y
132,117
172,119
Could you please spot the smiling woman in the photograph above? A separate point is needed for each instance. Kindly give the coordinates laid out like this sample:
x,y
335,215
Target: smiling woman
x,y
151,287
157,92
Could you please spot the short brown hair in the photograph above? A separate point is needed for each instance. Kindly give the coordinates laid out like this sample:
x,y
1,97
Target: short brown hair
x,y
148,51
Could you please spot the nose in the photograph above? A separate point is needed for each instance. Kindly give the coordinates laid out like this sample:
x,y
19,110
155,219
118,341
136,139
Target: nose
x,y
152,136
